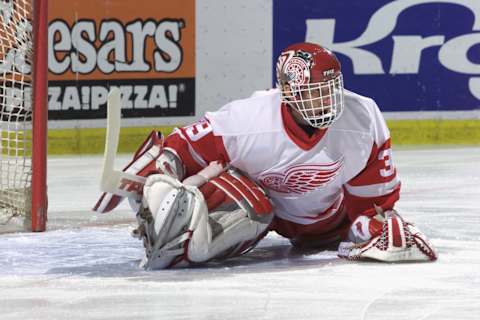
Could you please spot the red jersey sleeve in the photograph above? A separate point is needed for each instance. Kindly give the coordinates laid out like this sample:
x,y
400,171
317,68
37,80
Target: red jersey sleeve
x,y
378,183
197,146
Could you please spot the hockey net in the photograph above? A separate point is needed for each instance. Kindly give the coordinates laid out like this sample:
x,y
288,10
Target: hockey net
x,y
23,115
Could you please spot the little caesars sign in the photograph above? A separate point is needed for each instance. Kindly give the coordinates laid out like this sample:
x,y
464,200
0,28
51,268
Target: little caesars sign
x,y
150,59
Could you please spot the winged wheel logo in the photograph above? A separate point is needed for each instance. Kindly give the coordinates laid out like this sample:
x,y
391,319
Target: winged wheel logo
x,y
301,179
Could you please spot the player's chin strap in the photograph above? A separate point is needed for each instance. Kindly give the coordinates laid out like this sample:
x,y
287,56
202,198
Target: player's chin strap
x,y
395,241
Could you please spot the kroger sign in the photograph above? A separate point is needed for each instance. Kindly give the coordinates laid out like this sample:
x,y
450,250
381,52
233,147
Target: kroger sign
x,y
409,55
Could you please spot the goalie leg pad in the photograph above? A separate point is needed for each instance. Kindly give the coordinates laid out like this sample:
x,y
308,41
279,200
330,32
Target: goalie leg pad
x,y
225,234
165,219
177,228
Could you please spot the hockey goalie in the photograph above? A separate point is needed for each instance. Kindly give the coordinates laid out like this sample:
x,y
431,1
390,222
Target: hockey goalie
x,y
308,160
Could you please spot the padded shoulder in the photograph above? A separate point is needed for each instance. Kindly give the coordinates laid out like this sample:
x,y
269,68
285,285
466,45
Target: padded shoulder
x,y
362,114
259,113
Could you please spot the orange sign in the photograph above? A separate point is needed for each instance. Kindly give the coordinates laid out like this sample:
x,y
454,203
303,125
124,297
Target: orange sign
x,y
144,47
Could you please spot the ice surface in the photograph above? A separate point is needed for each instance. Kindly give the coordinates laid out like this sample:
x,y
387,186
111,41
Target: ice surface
x,y
85,266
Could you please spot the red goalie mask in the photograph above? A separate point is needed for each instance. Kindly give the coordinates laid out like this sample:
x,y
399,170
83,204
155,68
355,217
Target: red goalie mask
x,y
310,79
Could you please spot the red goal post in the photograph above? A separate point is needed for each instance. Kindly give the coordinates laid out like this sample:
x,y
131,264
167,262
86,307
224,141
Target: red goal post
x,y
40,115
23,112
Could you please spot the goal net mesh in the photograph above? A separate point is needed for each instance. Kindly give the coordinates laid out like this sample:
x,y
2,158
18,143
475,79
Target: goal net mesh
x,y
15,109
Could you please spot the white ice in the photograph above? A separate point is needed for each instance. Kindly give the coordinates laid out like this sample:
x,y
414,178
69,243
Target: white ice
x,y
85,266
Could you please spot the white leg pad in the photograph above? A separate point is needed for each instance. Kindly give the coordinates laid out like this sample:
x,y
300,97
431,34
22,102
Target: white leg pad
x,y
220,231
176,226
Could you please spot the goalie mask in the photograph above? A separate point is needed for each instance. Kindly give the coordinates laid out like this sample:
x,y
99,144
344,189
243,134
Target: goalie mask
x,y
310,80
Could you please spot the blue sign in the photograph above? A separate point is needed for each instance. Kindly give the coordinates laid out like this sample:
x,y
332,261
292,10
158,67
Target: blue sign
x,y
409,55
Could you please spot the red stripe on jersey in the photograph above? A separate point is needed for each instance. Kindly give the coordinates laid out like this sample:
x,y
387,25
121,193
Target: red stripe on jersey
x,y
197,140
379,168
357,206
180,145
220,145
201,138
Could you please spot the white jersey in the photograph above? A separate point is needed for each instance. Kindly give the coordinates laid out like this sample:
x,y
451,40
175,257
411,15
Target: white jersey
x,y
307,182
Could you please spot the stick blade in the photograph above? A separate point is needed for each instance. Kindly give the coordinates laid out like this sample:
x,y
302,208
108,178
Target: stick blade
x,y
115,181
111,139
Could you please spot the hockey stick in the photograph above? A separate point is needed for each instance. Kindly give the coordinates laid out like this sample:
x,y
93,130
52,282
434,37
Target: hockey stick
x,y
113,181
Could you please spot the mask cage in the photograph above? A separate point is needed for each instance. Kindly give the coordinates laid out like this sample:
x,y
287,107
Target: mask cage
x,y
320,103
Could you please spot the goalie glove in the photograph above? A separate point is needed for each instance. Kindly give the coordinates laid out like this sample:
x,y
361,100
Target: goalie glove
x,y
396,240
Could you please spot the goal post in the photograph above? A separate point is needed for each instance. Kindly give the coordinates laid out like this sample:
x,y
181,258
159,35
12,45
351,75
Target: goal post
x,y
23,113
40,115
